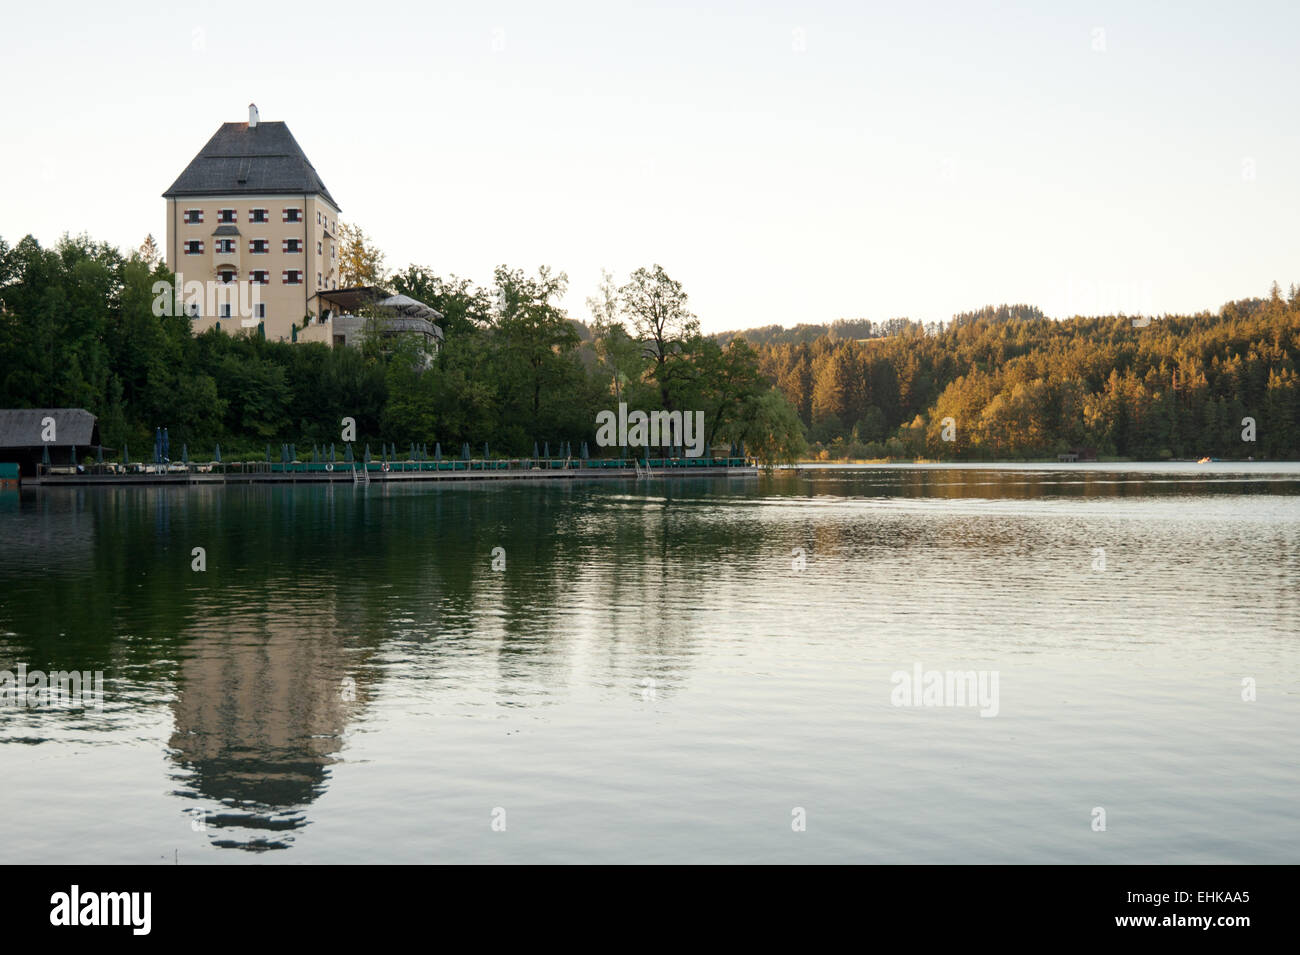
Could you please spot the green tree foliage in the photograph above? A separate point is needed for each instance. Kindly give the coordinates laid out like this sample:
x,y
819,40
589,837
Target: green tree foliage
x,y
655,304
621,358
464,307
535,340
78,328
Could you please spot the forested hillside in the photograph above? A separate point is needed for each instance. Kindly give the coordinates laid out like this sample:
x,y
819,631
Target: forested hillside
x,y
1017,384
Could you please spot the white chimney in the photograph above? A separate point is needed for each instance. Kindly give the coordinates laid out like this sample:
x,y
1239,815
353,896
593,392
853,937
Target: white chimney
x,y
252,115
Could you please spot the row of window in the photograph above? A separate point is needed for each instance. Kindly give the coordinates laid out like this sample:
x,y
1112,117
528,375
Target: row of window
x,y
230,216
224,311
257,246
263,277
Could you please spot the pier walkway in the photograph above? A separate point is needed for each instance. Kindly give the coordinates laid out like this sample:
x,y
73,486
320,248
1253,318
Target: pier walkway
x,y
301,472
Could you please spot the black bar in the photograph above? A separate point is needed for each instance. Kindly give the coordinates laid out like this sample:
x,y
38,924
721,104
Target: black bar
x,y
984,906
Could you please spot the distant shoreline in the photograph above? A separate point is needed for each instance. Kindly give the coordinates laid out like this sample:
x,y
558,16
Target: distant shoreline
x,y
912,462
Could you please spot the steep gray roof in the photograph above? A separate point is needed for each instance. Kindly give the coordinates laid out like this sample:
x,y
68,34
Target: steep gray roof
x,y
21,427
237,161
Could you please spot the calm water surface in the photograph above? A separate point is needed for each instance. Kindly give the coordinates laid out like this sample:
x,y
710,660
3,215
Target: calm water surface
x,y
651,678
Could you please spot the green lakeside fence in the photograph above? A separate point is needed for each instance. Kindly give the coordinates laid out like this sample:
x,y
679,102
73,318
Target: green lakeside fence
x,y
522,465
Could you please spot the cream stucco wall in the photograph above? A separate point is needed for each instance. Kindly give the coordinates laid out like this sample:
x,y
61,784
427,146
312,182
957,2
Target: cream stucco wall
x,y
285,305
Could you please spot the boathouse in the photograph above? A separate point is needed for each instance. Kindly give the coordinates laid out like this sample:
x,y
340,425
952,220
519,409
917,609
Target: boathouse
x,y
28,435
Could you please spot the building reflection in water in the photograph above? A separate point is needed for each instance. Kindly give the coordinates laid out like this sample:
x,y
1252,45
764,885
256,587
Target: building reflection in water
x,y
260,711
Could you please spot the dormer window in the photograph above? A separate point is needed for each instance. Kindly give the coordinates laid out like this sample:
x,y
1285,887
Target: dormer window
x,y
293,215
258,215
226,215
193,216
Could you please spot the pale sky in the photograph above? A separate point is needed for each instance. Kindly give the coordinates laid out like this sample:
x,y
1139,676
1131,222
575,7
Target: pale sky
x,y
788,162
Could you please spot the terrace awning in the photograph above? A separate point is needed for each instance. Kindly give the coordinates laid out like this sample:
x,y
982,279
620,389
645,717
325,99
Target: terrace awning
x,y
410,307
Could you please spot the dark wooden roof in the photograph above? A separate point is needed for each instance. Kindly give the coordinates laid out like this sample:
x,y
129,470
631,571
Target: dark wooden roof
x,y
21,427
239,160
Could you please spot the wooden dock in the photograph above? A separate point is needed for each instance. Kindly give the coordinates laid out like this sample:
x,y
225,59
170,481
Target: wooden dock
x,y
395,473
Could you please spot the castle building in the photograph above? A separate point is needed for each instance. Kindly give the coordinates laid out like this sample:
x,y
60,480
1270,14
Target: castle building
x,y
251,216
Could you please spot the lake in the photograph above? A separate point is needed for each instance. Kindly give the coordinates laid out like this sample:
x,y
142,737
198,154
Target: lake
x,y
746,669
